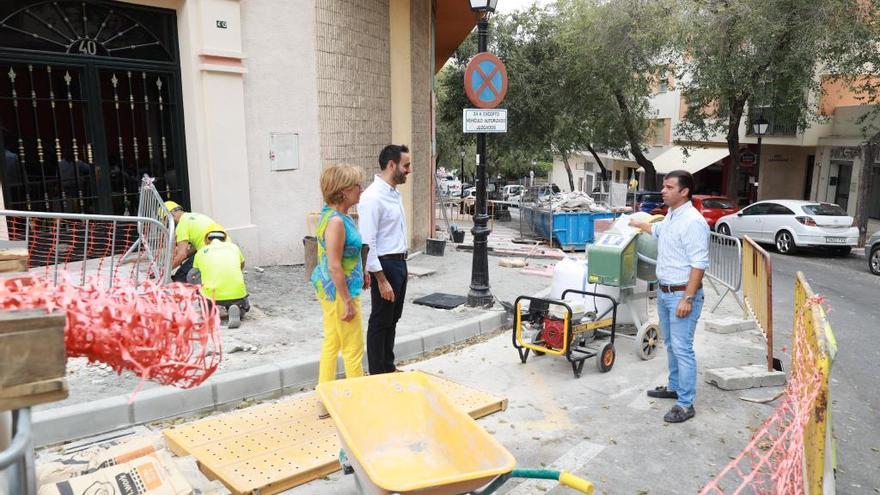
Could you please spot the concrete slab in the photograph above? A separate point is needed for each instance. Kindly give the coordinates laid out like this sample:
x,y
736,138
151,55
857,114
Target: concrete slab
x,y
409,346
81,420
257,382
438,337
296,373
419,271
728,324
743,377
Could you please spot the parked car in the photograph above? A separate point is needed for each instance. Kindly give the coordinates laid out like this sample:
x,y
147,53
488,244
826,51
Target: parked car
x,y
647,201
791,224
449,185
712,208
872,249
510,191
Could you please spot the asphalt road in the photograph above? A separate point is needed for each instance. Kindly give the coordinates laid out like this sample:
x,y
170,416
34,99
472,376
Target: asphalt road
x,y
853,304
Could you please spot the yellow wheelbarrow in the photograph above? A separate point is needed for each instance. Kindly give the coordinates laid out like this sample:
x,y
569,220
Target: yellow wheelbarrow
x,y
401,434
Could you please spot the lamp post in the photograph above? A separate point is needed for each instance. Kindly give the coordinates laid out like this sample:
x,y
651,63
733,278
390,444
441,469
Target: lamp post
x,y
461,176
480,295
759,128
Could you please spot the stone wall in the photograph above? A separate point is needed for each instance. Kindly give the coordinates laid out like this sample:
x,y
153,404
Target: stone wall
x,y
354,80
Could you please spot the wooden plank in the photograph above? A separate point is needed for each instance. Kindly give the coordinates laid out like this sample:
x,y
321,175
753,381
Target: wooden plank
x,y
31,347
31,394
13,265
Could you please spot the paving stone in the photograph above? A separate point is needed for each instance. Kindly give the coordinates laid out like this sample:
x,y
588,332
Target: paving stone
x,y
259,382
298,373
438,337
169,402
725,325
468,328
743,377
81,420
409,346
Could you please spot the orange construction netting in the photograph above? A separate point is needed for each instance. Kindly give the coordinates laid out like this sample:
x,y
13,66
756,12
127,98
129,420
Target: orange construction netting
x,y
163,333
773,461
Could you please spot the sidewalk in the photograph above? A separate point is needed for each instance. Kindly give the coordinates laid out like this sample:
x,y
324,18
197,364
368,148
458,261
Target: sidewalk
x,y
603,426
277,347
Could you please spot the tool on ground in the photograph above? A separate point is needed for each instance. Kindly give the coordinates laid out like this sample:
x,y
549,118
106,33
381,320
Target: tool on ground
x,y
400,434
563,328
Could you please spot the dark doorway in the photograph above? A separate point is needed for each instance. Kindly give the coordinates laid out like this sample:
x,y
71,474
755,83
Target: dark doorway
x,y
808,185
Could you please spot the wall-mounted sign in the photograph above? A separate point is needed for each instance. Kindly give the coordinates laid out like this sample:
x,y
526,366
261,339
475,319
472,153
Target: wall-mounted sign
x,y
221,24
845,153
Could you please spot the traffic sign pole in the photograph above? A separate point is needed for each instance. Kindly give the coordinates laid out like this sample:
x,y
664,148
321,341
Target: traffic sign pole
x,y
480,294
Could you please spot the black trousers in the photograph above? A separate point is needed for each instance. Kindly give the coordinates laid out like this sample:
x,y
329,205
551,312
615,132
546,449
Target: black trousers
x,y
384,315
183,270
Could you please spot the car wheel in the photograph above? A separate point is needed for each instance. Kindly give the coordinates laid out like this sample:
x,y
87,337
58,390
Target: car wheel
x,y
785,242
842,251
723,229
874,261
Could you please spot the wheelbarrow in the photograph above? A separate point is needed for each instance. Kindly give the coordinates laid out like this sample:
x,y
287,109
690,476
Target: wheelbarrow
x,y
400,434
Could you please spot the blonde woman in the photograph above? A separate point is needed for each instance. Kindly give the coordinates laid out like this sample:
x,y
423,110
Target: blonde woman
x,y
339,278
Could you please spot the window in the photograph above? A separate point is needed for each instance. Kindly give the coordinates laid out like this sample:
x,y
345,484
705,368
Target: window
x,y
720,204
757,209
824,209
779,210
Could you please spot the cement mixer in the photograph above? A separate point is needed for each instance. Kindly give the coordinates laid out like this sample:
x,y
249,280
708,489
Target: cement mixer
x,y
617,261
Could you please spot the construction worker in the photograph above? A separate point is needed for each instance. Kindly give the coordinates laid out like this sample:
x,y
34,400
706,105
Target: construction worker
x,y
189,230
218,268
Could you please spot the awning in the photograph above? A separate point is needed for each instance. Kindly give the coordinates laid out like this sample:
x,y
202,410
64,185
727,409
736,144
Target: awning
x,y
453,21
696,159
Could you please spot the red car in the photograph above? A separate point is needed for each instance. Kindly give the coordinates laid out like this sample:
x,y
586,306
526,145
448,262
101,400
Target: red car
x,y
712,208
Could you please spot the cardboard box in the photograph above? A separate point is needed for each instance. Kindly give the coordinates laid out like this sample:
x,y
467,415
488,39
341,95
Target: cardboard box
x,y
155,474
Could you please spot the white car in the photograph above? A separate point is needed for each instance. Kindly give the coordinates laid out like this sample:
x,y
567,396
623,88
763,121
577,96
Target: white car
x,y
790,224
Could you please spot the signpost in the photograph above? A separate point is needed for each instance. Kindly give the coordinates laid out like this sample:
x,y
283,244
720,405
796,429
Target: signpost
x,y
485,83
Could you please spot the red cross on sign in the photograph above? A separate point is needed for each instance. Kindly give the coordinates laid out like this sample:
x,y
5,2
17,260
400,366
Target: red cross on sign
x,y
485,80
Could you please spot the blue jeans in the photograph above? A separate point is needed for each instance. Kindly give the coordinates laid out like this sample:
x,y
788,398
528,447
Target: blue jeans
x,y
678,336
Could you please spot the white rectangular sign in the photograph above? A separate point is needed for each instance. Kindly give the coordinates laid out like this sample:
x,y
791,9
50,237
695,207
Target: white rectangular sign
x,y
484,120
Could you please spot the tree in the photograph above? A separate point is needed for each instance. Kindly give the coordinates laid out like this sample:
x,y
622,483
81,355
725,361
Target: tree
x,y
614,52
755,53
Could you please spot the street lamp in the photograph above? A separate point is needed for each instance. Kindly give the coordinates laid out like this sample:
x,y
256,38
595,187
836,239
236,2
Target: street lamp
x,y
480,294
461,177
759,128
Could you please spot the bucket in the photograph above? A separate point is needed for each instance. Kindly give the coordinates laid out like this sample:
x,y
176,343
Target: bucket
x,y
435,247
310,255
458,236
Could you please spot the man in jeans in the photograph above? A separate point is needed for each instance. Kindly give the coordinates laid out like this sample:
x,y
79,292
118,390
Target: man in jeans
x,y
382,224
682,258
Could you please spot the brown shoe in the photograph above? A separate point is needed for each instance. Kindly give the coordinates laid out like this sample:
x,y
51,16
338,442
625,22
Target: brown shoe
x,y
323,413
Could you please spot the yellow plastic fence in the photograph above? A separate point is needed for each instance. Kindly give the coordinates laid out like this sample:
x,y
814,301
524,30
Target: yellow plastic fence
x,y
757,287
818,450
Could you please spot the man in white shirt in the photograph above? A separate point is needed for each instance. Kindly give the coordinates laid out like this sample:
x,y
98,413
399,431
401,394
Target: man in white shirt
x,y
382,224
682,259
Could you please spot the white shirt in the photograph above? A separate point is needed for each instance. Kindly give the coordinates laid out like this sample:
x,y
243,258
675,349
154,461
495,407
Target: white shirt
x,y
382,222
682,244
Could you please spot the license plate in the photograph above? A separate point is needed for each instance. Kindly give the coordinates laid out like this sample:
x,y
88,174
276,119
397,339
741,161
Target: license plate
x,y
835,240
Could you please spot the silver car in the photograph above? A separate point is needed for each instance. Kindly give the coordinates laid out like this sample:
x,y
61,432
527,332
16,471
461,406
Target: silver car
x,y
872,249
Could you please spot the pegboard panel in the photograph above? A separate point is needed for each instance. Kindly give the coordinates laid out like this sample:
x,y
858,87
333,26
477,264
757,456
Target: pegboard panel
x,y
273,447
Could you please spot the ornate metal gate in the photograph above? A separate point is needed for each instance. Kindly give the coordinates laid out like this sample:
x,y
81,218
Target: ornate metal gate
x,y
89,102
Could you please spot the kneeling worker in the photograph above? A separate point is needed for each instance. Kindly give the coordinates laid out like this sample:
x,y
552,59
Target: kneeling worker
x,y
190,229
219,265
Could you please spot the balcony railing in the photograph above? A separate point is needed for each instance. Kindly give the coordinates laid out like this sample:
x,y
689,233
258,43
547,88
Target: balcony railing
x,y
782,121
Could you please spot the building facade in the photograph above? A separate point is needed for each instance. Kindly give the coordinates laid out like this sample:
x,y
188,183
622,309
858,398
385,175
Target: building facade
x,y
233,106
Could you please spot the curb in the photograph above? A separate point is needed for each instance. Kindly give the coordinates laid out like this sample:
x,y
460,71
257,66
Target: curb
x,y
222,392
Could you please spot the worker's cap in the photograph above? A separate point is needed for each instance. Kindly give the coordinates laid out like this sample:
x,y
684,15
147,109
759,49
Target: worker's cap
x,y
171,206
216,231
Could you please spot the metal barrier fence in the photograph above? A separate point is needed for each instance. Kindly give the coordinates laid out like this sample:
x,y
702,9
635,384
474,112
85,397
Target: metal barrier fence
x,y
17,461
110,247
725,266
792,451
757,286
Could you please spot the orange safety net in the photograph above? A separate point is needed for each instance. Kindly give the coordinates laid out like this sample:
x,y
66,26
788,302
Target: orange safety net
x,y
95,248
773,461
163,333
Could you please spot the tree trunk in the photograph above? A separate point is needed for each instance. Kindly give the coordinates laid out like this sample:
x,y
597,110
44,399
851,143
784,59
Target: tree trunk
x,y
734,118
635,143
869,152
603,171
568,170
